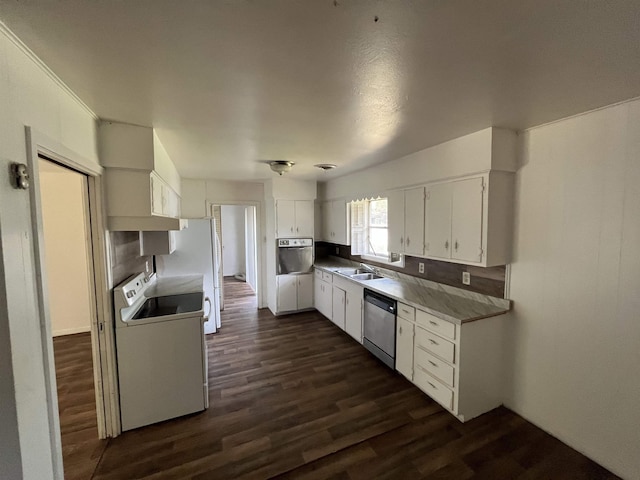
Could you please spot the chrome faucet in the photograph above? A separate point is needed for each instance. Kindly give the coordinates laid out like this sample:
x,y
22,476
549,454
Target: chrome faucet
x,y
370,269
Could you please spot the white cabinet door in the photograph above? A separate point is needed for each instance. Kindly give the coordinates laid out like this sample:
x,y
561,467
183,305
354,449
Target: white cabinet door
x,y
353,315
466,220
303,218
287,293
326,222
338,302
339,219
395,220
156,195
285,218
438,221
317,294
322,297
414,221
404,347
305,291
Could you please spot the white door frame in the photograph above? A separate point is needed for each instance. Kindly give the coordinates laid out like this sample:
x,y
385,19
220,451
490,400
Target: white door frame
x,y
259,253
102,337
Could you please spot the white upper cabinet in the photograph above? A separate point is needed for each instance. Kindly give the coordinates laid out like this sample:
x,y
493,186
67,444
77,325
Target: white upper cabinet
x,y
406,221
395,220
294,218
141,182
335,222
466,220
469,220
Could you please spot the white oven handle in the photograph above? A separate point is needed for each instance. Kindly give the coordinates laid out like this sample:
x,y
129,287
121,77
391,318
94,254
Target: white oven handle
x,y
206,317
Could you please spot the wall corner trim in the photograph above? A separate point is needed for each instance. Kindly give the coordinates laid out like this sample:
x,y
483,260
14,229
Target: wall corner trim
x,y
13,38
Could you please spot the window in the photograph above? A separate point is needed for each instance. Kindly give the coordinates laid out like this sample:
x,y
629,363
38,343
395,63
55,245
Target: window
x,y
369,230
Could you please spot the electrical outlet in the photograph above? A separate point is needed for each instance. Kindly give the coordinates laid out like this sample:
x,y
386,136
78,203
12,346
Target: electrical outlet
x,y
337,250
421,267
466,278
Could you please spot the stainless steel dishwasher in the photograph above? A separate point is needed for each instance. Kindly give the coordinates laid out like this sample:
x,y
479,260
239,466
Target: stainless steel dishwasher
x,y
380,327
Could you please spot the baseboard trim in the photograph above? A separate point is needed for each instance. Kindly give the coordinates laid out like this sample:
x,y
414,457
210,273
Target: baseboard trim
x,y
71,331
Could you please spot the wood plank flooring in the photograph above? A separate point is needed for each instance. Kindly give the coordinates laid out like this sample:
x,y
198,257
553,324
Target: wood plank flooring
x,y
81,447
295,397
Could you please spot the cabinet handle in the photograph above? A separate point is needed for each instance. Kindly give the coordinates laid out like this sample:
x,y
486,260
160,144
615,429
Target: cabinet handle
x,y
456,246
400,330
446,245
433,323
433,363
408,241
291,229
433,342
401,241
432,385
297,229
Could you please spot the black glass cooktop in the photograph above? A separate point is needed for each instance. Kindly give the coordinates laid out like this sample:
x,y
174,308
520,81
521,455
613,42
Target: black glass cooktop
x,y
170,305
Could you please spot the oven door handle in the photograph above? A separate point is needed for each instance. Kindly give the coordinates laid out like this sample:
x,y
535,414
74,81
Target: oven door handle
x,y
206,317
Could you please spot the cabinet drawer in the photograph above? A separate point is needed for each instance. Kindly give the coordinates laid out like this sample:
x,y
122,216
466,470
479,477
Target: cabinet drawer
x,y
435,324
406,312
327,277
434,366
318,274
435,344
433,388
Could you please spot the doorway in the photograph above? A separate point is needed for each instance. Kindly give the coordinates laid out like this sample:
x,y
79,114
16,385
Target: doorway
x,y
239,267
64,195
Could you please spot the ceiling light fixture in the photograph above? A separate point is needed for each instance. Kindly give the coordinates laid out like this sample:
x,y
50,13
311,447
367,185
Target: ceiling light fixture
x,y
281,166
325,166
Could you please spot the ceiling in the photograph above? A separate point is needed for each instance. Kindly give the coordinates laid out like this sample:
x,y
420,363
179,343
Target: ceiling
x,y
227,83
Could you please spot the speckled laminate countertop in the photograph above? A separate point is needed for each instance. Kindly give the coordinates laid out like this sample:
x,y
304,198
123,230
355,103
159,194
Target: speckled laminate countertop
x,y
163,286
449,303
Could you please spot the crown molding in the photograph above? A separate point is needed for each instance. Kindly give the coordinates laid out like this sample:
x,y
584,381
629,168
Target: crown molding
x,y
13,38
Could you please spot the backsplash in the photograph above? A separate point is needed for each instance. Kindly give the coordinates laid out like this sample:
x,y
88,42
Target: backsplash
x,y
125,256
488,281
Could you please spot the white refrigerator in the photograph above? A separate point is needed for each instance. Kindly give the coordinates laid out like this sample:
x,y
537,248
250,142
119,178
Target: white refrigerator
x,y
197,251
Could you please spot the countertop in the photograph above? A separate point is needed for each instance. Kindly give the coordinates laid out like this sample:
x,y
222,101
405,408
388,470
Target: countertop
x,y
448,303
163,286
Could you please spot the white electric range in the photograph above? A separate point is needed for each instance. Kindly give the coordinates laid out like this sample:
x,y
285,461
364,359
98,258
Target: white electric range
x,y
161,349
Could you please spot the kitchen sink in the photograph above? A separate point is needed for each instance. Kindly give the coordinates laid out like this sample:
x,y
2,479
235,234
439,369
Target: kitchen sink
x,y
351,271
365,276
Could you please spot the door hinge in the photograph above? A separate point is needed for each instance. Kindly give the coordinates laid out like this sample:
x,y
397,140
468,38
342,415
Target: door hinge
x,y
427,195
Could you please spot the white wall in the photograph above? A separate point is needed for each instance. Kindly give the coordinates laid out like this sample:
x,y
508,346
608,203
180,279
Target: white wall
x,y
574,335
250,247
65,222
233,241
28,96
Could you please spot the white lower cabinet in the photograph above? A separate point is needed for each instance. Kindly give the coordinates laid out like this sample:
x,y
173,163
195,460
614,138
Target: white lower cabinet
x,y
339,297
404,347
352,308
459,366
322,294
295,292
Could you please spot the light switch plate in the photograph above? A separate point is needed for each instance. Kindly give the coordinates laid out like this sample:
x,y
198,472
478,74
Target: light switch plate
x,y
466,278
421,267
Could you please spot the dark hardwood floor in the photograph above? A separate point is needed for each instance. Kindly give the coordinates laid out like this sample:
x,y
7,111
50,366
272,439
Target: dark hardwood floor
x,y
295,397
81,448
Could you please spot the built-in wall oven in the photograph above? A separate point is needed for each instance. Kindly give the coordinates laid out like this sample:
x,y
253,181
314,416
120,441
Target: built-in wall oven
x,y
380,327
295,255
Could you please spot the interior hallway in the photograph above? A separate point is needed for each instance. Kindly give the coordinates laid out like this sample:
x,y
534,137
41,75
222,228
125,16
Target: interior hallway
x,y
239,300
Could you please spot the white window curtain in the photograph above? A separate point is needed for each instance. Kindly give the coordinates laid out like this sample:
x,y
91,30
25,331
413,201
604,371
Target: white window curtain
x,y
358,227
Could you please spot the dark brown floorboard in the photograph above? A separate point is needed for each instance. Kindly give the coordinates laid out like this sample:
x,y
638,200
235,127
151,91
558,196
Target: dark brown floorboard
x,y
81,448
295,397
